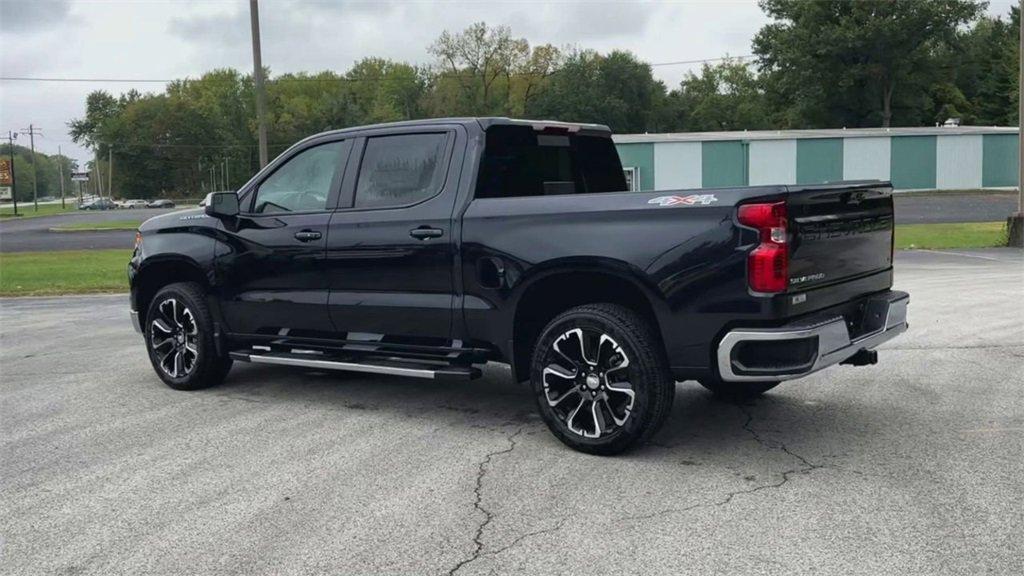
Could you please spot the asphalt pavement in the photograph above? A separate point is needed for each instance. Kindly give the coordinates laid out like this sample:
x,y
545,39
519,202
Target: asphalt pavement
x,y
34,234
912,466
942,207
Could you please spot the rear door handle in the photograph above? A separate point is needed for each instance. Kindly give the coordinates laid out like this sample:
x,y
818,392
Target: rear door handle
x,y
426,233
308,235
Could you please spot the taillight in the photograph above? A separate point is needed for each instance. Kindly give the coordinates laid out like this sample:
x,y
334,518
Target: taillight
x,y
138,239
768,264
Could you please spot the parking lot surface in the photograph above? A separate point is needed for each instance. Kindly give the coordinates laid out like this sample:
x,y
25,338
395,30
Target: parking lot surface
x,y
912,466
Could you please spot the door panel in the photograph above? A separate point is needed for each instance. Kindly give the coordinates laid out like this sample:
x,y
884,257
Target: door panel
x,y
272,263
275,281
391,267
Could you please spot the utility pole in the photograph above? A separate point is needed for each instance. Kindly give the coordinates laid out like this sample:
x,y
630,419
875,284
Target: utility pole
x,y
99,173
31,131
14,183
110,172
257,62
227,174
60,170
1018,220
1015,223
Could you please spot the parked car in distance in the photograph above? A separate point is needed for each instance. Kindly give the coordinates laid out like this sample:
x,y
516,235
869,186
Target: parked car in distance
x,y
99,204
429,248
160,204
131,204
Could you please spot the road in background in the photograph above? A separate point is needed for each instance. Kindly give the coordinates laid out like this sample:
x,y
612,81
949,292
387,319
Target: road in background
x,y
912,466
949,207
34,235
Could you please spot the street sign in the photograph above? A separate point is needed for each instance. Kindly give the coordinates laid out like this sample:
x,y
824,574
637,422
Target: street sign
x,y
5,173
79,176
5,193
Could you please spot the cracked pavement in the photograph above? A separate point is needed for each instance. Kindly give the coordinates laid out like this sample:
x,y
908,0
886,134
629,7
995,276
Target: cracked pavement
x,y
912,466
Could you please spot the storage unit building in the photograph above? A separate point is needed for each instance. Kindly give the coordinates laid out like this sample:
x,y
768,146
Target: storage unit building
x,y
943,158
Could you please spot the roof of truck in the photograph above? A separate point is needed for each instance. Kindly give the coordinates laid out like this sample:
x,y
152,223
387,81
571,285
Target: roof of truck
x,y
483,122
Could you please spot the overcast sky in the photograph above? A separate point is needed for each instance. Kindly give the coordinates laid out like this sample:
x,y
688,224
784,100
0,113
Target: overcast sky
x,y
159,39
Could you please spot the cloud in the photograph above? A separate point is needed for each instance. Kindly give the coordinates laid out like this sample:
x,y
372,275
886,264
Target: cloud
x,y
32,15
175,39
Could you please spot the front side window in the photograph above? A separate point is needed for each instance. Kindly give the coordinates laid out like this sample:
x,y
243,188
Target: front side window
x,y
303,183
401,169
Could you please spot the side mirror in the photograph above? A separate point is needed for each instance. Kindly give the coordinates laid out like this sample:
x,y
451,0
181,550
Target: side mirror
x,y
221,204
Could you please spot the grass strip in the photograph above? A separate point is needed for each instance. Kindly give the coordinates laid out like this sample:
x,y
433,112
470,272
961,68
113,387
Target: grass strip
x,y
68,272
961,235
28,211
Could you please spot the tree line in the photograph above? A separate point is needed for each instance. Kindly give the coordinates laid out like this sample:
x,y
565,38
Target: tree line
x,y
48,169
816,65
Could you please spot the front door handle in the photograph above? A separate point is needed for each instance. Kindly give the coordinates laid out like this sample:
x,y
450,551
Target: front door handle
x,y
426,233
308,235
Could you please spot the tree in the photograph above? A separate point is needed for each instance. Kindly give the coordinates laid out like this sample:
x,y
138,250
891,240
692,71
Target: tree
x,y
986,70
99,108
726,96
47,169
477,58
617,90
486,71
856,63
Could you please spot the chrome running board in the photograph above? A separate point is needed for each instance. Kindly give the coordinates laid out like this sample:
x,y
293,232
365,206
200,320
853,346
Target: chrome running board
x,y
389,367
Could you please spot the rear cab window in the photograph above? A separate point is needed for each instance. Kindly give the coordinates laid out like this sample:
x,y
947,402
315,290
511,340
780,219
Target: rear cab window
x,y
520,161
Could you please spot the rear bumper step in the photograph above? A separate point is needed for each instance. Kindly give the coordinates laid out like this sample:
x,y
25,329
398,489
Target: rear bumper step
x,y
393,367
811,344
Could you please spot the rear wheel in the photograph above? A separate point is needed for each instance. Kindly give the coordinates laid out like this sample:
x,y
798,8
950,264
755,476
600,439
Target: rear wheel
x,y
736,390
180,341
600,379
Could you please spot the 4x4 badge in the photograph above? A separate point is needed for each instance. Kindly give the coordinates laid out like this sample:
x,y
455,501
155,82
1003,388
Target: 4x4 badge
x,y
691,200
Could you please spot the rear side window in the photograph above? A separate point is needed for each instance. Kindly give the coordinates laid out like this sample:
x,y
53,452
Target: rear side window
x,y
520,161
401,169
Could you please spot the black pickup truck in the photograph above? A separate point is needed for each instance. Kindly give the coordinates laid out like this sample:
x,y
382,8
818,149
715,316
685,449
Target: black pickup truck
x,y
427,248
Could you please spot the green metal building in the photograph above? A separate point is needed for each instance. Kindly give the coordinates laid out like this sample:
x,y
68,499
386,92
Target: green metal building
x,y
941,158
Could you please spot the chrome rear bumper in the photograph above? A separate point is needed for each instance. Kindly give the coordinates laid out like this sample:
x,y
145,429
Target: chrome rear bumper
x,y
885,317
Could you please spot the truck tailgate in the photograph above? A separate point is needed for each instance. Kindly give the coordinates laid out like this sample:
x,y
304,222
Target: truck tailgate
x,y
839,232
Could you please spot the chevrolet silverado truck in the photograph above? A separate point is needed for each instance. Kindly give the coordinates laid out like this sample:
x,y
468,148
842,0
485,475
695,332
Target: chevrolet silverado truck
x,y
426,249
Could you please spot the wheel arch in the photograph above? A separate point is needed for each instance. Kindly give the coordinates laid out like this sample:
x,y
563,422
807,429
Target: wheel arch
x,y
160,271
561,286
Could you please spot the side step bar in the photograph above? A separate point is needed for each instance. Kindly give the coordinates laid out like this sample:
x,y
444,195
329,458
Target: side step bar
x,y
382,366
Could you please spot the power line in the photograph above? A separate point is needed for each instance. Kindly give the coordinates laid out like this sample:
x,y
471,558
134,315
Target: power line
x,y
291,78
186,79
681,62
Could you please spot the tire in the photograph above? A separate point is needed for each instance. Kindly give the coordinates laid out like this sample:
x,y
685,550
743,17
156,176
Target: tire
x,y
611,359
180,341
736,390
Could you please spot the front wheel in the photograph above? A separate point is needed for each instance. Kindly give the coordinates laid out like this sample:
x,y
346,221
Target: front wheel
x,y
601,379
180,341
